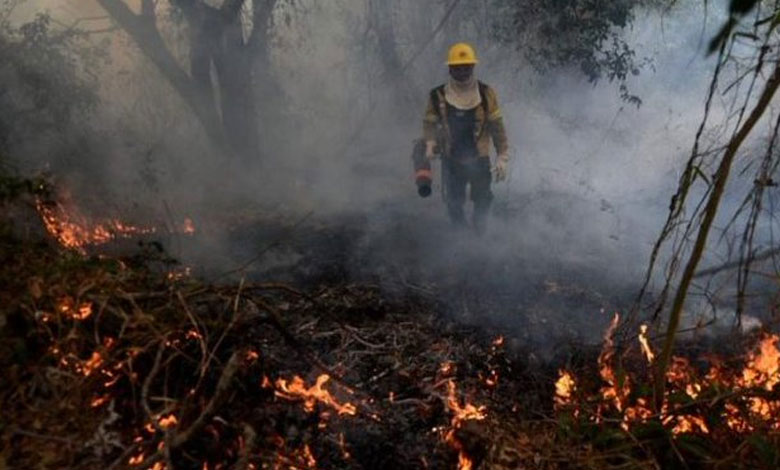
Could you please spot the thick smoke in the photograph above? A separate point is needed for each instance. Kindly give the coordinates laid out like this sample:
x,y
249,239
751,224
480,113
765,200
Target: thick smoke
x,y
571,230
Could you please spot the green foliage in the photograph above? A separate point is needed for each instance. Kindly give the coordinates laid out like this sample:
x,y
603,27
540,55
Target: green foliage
x,y
47,78
587,34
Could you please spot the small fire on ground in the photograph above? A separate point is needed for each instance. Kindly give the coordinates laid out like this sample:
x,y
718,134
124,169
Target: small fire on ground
x,y
745,408
73,229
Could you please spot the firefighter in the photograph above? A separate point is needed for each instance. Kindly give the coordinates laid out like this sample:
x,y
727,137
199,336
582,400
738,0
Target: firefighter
x,y
461,119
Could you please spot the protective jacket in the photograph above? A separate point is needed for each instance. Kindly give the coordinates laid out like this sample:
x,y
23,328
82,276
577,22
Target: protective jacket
x,y
488,122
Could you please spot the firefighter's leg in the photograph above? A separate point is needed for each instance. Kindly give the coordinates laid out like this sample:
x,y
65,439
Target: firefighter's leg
x,y
481,194
455,192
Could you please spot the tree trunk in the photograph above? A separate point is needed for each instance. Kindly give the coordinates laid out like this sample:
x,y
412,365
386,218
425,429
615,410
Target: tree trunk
x,y
143,30
233,65
382,14
721,177
224,106
217,43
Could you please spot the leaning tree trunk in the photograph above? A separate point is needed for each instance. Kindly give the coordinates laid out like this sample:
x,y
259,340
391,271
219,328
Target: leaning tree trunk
x,y
217,43
224,107
711,209
143,30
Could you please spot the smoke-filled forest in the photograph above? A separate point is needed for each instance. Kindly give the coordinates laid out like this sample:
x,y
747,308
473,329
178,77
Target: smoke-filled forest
x,y
389,234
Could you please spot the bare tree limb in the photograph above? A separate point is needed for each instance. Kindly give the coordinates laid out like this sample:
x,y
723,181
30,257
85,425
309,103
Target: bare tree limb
x,y
710,211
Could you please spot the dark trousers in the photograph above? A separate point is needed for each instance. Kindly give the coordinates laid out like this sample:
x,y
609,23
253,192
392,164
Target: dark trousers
x,y
473,172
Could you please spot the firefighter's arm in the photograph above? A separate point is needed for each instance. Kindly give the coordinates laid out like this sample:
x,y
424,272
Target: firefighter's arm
x,y
496,126
430,122
498,135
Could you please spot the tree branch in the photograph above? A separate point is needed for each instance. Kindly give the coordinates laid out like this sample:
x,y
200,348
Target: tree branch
x,y
721,176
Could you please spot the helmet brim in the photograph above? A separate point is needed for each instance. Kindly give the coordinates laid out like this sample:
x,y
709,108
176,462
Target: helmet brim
x,y
463,62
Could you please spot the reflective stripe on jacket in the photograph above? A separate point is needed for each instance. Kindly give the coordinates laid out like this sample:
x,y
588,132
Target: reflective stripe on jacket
x,y
487,128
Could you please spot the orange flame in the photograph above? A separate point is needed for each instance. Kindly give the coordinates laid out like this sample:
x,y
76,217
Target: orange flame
x,y
447,368
299,459
99,401
74,230
87,367
612,392
297,389
564,388
136,459
742,412
464,463
68,308
459,415
167,422
645,344
763,368
188,227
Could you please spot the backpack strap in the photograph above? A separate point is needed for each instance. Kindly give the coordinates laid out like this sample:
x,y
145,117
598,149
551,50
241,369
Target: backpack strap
x,y
436,94
483,98
485,107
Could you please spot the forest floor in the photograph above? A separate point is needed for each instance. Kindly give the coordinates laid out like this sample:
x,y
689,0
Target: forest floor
x,y
129,362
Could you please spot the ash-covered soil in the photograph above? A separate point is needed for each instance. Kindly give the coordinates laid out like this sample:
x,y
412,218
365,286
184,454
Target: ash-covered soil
x,y
543,289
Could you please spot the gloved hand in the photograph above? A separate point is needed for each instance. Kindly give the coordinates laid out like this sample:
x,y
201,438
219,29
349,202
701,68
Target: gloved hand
x,y
430,145
502,167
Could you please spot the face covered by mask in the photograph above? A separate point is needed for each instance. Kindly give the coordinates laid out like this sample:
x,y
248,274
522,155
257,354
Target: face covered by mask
x,y
461,73
462,90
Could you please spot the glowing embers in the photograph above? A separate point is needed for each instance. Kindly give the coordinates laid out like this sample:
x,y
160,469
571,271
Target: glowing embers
x,y
296,390
296,459
167,421
68,308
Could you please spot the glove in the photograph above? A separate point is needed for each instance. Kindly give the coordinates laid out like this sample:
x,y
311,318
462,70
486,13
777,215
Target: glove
x,y
502,165
430,145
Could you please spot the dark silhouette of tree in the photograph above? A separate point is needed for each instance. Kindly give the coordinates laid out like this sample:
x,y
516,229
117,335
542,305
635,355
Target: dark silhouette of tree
x,y
223,101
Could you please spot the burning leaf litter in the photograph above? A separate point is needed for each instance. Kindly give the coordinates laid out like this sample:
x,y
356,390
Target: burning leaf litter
x,y
73,229
186,382
731,397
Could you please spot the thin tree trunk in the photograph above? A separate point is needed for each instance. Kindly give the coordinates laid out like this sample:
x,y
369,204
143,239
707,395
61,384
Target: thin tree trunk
x,y
721,177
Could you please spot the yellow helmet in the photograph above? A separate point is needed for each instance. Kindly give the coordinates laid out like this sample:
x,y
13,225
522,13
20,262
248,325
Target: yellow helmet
x,y
462,54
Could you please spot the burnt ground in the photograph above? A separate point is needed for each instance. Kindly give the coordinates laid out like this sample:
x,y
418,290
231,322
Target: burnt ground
x,y
88,392
401,312
541,288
